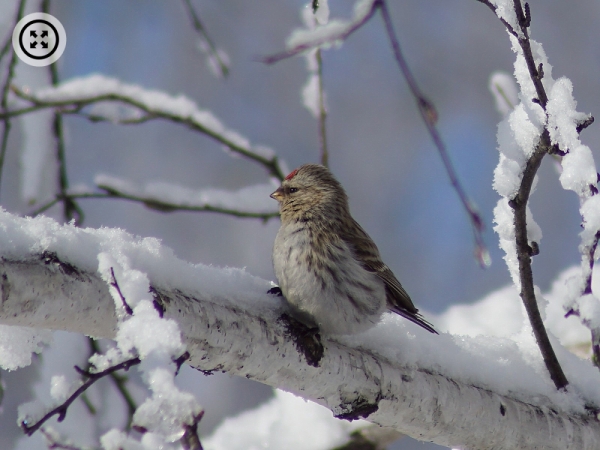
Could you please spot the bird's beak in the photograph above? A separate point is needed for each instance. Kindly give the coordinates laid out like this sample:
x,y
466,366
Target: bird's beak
x,y
278,194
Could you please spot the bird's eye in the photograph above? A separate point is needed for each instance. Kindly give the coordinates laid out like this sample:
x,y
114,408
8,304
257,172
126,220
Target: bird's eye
x,y
292,190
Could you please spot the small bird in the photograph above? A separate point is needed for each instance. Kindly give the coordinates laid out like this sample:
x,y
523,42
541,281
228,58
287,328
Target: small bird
x,y
327,266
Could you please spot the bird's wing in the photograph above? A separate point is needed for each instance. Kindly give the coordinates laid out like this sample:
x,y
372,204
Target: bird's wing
x,y
367,254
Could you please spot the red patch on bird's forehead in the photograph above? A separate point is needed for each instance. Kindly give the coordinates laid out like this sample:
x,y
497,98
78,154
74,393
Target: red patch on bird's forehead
x,y
292,174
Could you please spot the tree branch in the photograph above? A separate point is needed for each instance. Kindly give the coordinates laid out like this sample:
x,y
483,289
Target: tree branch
x,y
156,204
519,202
61,410
153,111
45,292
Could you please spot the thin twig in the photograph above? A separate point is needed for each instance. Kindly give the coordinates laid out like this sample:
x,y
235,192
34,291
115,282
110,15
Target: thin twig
x,y
344,34
429,116
201,29
6,124
519,205
120,382
53,444
322,111
158,205
61,410
190,439
113,283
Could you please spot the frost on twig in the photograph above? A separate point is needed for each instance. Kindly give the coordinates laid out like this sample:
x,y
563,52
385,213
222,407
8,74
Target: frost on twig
x,y
454,390
74,95
540,124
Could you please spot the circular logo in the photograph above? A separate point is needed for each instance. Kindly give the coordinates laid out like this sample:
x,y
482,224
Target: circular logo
x,y
39,39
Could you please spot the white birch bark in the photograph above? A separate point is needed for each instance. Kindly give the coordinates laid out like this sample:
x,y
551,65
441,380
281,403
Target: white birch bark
x,y
43,292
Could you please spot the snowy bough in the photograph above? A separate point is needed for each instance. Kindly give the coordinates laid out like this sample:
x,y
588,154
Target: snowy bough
x,y
517,387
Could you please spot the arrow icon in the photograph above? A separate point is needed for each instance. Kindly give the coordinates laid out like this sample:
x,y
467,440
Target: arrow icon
x,y
33,34
44,44
33,44
44,34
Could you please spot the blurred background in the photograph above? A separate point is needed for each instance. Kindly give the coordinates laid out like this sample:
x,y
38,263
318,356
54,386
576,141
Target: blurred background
x,y
379,148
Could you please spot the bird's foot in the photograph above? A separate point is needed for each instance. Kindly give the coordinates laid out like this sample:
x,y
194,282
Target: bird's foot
x,y
306,339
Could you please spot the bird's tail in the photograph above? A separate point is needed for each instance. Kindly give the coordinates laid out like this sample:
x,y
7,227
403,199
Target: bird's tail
x,y
415,318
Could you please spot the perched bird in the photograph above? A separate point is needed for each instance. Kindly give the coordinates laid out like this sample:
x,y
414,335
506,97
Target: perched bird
x,y
328,267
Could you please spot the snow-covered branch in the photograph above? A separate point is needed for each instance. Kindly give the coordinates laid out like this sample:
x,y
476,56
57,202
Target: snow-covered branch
x,y
76,94
536,127
452,390
248,202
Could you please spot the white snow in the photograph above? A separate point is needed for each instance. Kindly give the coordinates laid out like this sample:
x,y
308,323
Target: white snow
x,y
215,62
322,13
284,422
248,199
18,343
505,361
334,30
590,211
579,170
503,88
505,9
98,87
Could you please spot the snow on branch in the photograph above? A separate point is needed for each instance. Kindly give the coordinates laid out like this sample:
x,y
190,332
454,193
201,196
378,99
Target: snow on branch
x,y
525,136
250,201
73,95
452,390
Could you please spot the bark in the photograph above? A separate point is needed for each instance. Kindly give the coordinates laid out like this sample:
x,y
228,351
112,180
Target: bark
x,y
44,292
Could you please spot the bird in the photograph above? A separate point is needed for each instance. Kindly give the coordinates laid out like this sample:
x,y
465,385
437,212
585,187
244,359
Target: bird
x,y
328,268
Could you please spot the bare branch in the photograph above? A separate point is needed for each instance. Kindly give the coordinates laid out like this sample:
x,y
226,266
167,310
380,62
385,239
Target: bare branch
x,y
113,283
429,116
5,90
211,48
61,410
322,112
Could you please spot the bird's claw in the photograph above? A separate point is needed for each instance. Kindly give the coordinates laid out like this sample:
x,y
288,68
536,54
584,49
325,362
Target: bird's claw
x,y
306,339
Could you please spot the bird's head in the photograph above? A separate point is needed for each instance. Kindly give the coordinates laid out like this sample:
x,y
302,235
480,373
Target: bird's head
x,y
310,190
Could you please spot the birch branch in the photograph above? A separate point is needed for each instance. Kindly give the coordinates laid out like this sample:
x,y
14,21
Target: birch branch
x,y
42,291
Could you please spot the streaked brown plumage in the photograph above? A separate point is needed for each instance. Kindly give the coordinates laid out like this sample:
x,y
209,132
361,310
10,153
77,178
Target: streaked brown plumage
x,y
328,268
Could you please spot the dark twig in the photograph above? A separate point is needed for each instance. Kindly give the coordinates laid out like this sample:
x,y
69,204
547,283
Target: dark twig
x,y
519,204
114,284
190,439
61,410
180,361
201,29
71,209
120,382
429,116
157,205
53,444
322,112
344,34
6,124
